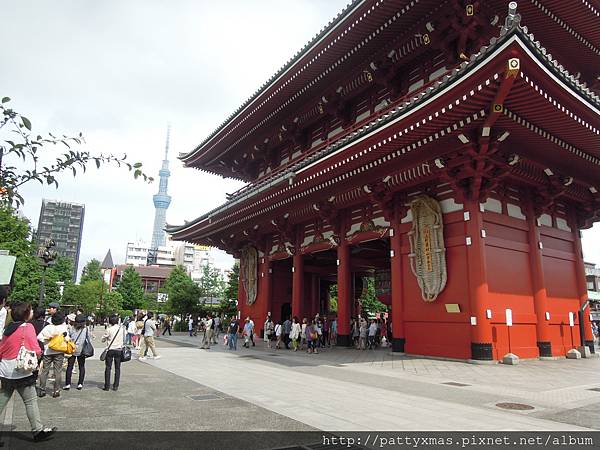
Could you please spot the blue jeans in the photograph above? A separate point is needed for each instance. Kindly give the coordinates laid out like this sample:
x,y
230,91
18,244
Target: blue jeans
x,y
232,341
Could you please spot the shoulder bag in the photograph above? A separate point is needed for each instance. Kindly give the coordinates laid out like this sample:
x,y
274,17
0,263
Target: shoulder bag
x,y
59,344
105,351
87,350
26,359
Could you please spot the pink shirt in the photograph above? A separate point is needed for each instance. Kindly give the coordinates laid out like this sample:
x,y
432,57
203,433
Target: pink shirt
x,y
10,345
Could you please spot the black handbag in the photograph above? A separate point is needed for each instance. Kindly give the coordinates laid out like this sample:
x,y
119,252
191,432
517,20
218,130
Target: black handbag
x,y
87,350
125,354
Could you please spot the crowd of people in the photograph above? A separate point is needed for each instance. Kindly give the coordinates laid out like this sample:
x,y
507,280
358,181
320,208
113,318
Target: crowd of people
x,y
36,343
307,334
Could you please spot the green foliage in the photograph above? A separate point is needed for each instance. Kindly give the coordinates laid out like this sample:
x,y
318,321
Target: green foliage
x,y
228,305
131,289
15,234
183,293
91,272
112,303
369,302
211,282
85,296
23,155
333,298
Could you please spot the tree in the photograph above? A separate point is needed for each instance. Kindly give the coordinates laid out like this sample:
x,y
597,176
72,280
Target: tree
x,y
211,283
183,293
91,271
36,164
85,296
368,301
131,289
15,233
112,303
228,305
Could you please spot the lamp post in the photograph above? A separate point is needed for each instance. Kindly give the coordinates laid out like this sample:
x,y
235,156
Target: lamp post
x,y
47,256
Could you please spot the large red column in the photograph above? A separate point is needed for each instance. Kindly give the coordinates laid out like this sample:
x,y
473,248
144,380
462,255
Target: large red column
x,y
297,284
481,329
398,338
265,290
588,338
540,297
344,295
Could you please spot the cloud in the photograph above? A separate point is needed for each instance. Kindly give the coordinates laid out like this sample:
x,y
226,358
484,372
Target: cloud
x,y
119,71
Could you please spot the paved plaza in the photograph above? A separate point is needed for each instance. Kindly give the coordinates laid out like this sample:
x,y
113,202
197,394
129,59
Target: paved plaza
x,y
339,389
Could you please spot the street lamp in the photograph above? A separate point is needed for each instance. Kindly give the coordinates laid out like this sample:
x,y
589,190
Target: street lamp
x,y
47,256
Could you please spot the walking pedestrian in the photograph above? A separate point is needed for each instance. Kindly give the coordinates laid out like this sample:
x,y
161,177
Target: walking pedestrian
x,y
216,329
233,332
53,358
295,333
333,332
17,374
248,331
208,335
131,332
252,334
372,335
278,335
303,333
287,329
167,326
312,337
191,325
79,335
269,331
148,332
362,334
114,339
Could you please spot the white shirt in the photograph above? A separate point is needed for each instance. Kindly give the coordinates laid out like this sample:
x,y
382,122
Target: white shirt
x,y
3,314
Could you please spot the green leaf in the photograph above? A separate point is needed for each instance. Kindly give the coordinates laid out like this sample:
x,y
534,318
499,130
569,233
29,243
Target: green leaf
x,y
137,173
137,165
26,122
97,163
5,99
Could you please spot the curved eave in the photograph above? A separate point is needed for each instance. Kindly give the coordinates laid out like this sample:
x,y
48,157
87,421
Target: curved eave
x,y
516,34
350,8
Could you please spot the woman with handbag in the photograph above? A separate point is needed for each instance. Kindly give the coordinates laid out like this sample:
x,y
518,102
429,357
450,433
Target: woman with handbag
x,y
112,353
83,349
19,350
53,357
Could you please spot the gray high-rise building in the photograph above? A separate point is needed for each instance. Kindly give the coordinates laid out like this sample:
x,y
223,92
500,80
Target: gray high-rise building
x,y
63,222
161,202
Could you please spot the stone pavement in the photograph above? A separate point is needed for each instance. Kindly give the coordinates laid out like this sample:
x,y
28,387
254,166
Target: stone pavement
x,y
340,389
149,399
347,389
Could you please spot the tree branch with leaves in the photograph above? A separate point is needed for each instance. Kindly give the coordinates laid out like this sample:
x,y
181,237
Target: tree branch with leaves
x,y
18,143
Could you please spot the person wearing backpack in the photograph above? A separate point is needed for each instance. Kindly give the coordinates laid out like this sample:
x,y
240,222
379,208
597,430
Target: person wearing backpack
x,y
233,332
269,331
78,334
53,357
19,350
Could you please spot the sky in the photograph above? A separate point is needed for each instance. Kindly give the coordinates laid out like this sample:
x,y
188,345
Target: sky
x,y
119,71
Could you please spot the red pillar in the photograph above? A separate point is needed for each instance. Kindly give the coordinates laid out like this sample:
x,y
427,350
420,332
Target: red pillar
x,y
266,298
344,295
588,338
540,297
297,284
398,338
481,329
315,294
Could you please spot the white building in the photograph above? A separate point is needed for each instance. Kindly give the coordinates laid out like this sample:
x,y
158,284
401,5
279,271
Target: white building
x,y
192,257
